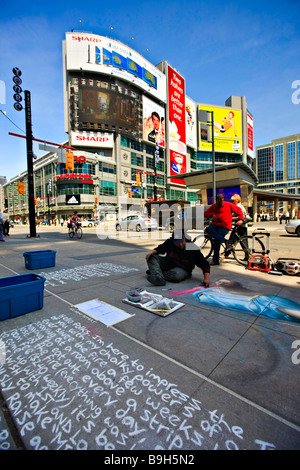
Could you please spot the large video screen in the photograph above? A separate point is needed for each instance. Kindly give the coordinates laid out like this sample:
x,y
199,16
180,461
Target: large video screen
x,y
227,193
106,104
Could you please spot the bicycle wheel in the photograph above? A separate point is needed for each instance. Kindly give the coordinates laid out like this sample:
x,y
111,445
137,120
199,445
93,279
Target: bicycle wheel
x,y
242,250
79,232
205,244
71,233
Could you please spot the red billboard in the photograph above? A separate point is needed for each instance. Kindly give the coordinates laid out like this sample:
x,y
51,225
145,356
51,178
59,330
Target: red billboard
x,y
176,125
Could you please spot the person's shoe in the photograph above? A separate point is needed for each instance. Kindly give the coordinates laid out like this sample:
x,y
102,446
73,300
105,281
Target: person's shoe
x,y
214,263
156,280
148,271
205,284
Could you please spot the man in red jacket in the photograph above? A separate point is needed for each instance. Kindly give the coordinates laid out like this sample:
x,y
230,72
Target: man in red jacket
x,y
221,215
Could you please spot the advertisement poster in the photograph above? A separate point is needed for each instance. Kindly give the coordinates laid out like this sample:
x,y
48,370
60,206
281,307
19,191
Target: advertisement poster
x,y
227,129
153,122
191,123
177,125
250,134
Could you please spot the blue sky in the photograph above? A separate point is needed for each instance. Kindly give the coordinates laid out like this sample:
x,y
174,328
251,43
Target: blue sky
x,y
221,48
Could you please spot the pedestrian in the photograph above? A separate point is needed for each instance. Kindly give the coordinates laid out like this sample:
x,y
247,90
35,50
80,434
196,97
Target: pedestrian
x,y
181,257
1,227
287,217
5,223
221,214
241,229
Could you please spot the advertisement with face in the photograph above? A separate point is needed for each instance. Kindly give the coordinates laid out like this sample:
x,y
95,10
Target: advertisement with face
x,y
176,125
191,123
153,122
227,128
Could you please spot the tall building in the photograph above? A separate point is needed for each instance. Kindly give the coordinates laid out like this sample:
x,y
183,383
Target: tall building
x,y
278,165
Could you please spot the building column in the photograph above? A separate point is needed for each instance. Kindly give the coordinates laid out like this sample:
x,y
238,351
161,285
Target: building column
x,y
254,208
276,209
293,209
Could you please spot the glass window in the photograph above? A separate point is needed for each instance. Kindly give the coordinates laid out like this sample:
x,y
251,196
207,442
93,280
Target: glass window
x,y
107,188
291,160
279,162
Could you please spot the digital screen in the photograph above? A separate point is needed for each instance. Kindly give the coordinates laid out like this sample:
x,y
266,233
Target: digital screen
x,y
227,193
107,104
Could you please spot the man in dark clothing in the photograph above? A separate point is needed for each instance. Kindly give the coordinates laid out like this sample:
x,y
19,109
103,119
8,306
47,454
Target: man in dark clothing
x,y
181,258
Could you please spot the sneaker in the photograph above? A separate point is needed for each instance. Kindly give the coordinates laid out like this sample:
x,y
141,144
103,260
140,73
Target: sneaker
x,y
214,263
156,280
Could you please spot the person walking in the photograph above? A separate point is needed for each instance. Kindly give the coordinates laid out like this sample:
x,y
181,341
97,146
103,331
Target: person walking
x,y
5,223
287,217
221,213
181,258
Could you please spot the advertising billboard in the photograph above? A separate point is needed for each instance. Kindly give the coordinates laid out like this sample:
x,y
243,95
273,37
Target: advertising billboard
x,y
153,122
250,134
176,125
93,53
91,140
227,128
191,122
105,105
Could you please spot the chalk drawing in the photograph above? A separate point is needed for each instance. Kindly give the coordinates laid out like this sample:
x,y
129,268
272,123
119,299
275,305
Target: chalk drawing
x,y
69,389
80,273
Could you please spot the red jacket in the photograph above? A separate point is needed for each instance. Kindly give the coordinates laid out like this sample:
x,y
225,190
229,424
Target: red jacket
x,y
224,214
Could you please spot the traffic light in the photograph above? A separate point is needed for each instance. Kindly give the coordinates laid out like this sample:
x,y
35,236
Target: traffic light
x,y
21,188
96,200
17,88
138,179
69,161
129,192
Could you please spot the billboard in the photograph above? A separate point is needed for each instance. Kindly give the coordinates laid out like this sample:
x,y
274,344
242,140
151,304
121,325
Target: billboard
x,y
250,134
227,128
191,122
91,140
93,53
176,126
104,105
153,122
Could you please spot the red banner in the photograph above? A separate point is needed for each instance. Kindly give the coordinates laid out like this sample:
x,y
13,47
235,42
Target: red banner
x,y
176,128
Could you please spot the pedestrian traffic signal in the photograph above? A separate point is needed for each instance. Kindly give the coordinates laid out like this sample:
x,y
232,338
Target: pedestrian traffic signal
x,y
69,161
138,179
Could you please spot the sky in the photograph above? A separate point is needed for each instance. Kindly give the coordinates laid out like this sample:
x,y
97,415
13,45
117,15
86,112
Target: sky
x,y
221,48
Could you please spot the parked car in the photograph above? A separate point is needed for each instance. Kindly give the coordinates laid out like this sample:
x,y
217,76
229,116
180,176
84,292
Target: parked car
x,y
293,226
137,222
89,223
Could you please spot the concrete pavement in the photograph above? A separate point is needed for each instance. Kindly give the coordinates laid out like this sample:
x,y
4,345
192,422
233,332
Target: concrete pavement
x,y
208,376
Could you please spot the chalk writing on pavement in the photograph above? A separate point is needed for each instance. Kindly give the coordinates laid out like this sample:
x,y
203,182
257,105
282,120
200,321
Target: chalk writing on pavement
x,y
68,388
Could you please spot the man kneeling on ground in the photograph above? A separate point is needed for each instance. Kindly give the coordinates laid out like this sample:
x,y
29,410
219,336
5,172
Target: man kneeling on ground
x,y
181,258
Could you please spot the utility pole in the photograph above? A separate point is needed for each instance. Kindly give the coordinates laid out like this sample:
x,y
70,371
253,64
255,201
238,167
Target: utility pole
x,y
32,224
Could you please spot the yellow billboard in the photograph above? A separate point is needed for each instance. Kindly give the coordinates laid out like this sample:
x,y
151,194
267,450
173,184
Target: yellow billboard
x,y
227,128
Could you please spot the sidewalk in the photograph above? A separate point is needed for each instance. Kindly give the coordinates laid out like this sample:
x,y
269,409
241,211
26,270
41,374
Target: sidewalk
x,y
206,377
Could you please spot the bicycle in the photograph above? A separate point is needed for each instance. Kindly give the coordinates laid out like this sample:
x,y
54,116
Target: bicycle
x,y
75,231
241,247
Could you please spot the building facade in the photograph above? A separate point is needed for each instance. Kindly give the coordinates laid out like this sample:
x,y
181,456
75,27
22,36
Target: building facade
x,y
132,130
277,166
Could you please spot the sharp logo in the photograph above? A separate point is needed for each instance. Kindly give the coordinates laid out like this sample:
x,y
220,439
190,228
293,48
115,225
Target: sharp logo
x,y
91,139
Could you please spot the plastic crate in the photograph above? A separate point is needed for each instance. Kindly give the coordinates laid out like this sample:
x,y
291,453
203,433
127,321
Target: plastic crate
x,y
21,294
39,259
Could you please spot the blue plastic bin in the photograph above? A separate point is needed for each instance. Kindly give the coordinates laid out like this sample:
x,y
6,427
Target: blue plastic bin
x,y
39,259
21,294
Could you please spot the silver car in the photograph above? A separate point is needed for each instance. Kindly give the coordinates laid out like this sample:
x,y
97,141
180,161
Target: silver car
x,y
137,222
293,226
